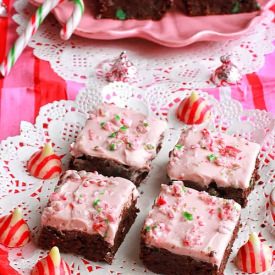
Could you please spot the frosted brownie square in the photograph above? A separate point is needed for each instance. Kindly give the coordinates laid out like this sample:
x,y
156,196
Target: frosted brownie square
x,y
220,164
189,232
118,142
89,214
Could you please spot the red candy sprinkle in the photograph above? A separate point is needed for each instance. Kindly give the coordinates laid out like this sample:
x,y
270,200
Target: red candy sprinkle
x,y
97,226
161,201
205,132
229,151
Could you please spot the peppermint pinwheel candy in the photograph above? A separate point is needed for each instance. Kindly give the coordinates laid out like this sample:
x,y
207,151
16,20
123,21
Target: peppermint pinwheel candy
x,y
52,264
45,164
14,231
227,73
193,110
122,69
254,256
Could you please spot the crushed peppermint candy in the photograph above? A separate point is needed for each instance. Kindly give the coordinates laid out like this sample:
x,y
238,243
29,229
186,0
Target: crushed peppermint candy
x,y
126,122
212,157
160,201
114,145
142,127
149,147
229,151
192,237
96,202
178,146
209,200
177,190
123,128
187,216
106,126
113,135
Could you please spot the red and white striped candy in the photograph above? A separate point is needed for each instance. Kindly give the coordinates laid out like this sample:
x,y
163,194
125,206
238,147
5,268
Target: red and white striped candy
x,y
193,110
52,265
254,256
45,164
14,231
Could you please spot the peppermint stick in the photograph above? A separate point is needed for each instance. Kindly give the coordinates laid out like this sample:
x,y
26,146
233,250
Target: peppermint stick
x,y
23,40
74,20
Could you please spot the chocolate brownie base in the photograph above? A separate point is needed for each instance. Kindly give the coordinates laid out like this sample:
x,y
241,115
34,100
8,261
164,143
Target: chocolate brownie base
x,y
237,194
210,7
134,9
163,261
111,168
92,247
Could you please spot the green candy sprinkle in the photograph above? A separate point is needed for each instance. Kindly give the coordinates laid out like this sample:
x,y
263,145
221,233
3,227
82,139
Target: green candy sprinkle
x,y
113,135
212,157
117,117
178,146
147,228
120,14
145,124
102,124
236,7
96,202
123,128
112,147
188,216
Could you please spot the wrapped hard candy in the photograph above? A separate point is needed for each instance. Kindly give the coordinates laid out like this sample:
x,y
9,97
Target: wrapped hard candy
x,y
227,73
122,69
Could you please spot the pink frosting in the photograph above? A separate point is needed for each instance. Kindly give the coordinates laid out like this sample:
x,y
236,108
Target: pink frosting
x,y
89,202
120,134
202,157
188,222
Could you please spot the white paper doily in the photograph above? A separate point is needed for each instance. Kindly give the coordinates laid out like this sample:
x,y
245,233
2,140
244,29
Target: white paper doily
x,y
79,59
59,122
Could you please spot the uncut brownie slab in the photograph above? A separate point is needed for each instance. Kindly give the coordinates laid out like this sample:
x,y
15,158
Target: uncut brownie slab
x,y
134,9
211,7
118,142
89,214
220,164
189,232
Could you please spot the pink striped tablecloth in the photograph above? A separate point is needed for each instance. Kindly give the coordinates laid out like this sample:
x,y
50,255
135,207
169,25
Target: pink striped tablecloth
x,y
32,83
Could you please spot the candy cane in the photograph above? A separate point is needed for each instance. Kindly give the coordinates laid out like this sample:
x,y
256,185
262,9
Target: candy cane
x,y
25,37
73,21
